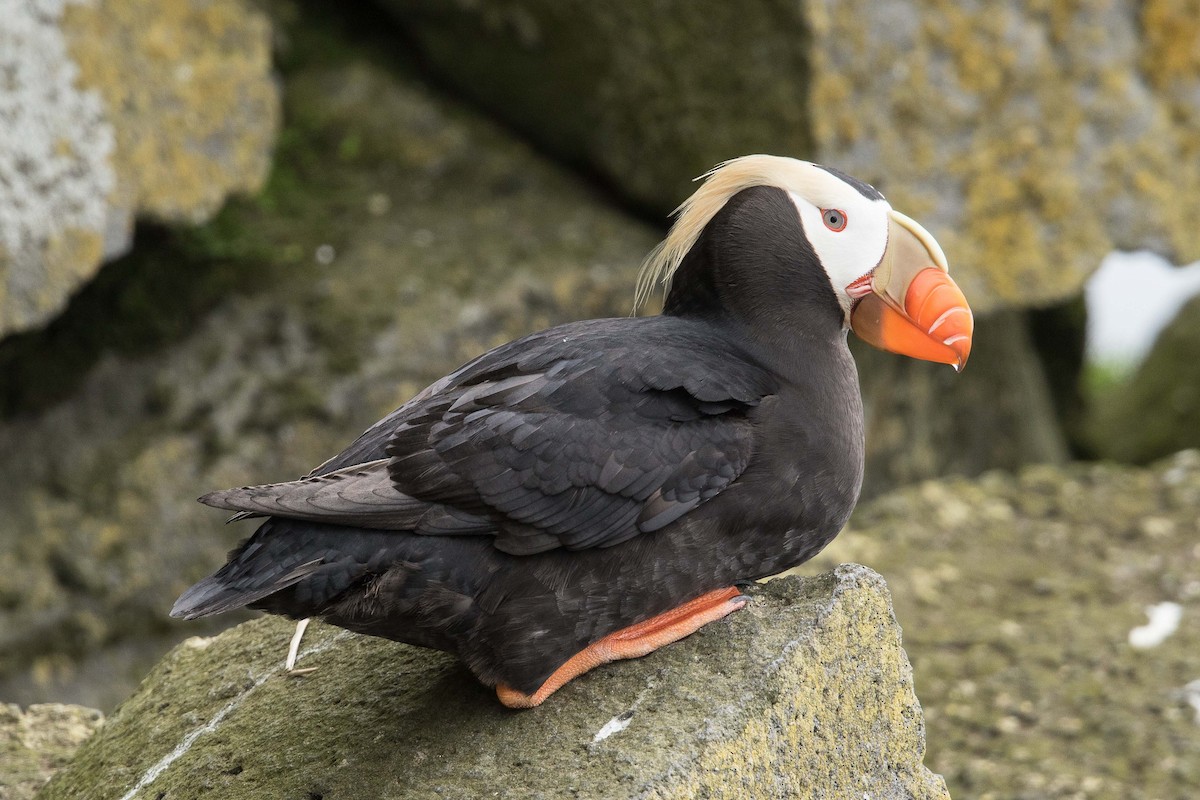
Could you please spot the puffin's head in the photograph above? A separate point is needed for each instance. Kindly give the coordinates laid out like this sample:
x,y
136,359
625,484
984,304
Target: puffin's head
x,y
780,222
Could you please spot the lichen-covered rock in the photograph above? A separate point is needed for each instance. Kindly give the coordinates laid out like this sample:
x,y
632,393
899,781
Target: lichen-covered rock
x,y
1155,411
1020,595
188,88
39,741
805,693
114,110
1031,138
55,168
398,237
1170,59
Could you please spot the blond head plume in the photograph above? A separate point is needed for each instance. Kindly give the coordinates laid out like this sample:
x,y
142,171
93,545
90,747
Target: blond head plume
x,y
721,183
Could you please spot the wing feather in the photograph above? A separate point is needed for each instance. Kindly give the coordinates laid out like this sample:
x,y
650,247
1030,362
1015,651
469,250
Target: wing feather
x,y
362,495
581,436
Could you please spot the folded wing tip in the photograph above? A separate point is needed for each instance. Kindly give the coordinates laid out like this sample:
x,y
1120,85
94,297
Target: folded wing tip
x,y
213,499
192,603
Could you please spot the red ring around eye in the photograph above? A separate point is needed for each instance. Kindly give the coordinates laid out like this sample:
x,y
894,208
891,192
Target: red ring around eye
x,y
834,219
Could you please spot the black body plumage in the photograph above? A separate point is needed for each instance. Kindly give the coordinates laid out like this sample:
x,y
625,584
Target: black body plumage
x,y
583,478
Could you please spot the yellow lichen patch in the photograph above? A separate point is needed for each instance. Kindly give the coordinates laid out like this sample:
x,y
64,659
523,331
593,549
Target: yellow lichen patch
x,y
69,258
71,253
1171,63
853,667
38,741
188,88
1136,166
1024,137
1171,45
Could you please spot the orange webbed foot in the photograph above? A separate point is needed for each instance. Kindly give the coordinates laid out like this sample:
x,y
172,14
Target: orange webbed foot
x,y
632,642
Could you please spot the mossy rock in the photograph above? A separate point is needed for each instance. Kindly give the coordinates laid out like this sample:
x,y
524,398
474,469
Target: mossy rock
x,y
1156,410
804,693
1018,595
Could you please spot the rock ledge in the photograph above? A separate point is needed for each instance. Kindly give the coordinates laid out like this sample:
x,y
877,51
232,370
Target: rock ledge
x,y
806,693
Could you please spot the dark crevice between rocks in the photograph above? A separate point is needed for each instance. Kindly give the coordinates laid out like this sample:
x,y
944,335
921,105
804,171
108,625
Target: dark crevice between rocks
x,y
1059,337
135,304
614,91
925,420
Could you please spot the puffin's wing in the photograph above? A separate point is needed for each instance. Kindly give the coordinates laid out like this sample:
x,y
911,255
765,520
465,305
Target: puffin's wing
x,y
583,448
581,436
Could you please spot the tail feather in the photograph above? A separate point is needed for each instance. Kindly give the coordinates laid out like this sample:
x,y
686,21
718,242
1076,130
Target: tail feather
x,y
217,594
291,567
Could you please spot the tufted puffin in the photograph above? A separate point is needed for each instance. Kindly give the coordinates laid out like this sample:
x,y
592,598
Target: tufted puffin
x,y
597,490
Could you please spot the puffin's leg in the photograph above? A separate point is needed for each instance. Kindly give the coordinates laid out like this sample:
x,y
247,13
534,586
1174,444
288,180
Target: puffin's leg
x,y
294,649
632,642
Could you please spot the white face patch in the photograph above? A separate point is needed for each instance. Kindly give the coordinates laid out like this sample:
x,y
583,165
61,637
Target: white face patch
x,y
857,248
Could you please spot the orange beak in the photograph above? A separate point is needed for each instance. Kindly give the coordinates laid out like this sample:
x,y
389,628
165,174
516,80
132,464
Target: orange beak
x,y
908,304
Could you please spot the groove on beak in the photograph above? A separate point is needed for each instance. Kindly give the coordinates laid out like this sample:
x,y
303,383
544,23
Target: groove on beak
x,y
914,307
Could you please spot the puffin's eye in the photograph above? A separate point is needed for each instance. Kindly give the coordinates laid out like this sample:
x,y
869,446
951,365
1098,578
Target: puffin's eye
x,y
834,219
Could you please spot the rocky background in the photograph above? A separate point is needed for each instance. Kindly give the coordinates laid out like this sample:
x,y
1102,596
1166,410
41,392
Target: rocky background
x,y
233,234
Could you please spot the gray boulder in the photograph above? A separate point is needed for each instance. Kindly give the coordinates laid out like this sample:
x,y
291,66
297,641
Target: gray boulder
x,y
805,693
114,110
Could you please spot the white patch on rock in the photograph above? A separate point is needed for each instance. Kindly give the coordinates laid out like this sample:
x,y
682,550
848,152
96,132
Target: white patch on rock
x,y
1191,693
198,642
615,725
1164,621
